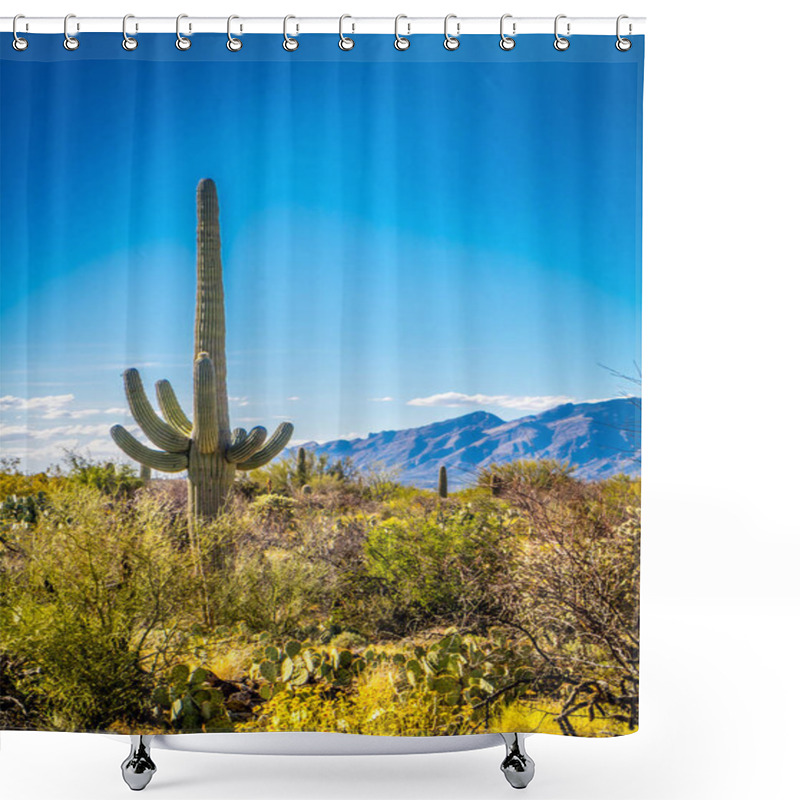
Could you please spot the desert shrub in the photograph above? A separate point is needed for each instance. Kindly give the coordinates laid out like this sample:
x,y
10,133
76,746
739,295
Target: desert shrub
x,y
14,482
79,599
249,576
374,708
348,640
109,478
616,496
545,474
381,483
170,496
268,507
442,566
579,595
276,591
17,710
289,475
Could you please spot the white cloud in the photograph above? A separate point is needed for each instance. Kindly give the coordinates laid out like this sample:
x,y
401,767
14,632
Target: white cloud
x,y
241,402
17,432
293,398
349,437
381,399
40,447
51,405
457,399
64,413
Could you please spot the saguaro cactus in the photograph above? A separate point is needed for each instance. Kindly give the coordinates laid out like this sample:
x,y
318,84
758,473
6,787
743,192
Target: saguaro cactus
x,y
301,471
205,446
443,482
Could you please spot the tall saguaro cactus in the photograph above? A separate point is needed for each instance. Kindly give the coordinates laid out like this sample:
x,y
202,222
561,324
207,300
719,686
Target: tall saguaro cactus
x,y
204,446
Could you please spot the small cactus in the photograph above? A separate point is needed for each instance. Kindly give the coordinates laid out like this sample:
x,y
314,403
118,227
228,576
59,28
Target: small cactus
x,y
443,482
145,473
301,473
205,447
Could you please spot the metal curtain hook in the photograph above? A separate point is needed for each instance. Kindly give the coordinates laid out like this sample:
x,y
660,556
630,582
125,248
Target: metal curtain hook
x,y
560,43
128,42
181,42
401,42
507,42
289,43
451,42
345,42
19,43
233,44
623,44
70,42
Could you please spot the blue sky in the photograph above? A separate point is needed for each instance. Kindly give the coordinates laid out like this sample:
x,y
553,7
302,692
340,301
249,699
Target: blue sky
x,y
404,238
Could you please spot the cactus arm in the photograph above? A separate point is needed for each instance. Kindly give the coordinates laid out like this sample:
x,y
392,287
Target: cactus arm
x,y
157,431
276,443
155,459
206,424
242,450
171,408
238,436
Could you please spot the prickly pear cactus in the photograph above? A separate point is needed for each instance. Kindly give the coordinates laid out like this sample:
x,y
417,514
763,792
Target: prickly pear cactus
x,y
204,446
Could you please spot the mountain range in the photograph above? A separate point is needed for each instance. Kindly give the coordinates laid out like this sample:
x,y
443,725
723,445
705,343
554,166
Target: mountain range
x,y
599,438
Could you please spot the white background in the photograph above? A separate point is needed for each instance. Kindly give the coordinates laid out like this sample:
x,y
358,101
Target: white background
x,y
720,586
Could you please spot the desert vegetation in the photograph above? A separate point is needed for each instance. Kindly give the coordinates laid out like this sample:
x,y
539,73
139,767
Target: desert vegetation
x,y
319,598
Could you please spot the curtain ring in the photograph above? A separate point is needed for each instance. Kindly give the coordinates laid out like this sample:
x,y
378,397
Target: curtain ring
x,y
507,42
450,42
128,42
19,43
561,43
289,44
401,42
233,44
181,42
345,42
623,44
70,42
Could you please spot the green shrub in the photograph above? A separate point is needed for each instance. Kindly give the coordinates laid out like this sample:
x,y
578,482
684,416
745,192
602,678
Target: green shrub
x,y
290,474
276,591
273,505
79,598
545,474
439,566
110,478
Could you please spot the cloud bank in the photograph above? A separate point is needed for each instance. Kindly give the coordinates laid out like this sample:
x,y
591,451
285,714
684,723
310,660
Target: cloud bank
x,y
518,403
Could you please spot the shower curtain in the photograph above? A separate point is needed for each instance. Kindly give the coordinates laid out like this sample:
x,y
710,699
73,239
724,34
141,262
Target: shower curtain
x,y
320,385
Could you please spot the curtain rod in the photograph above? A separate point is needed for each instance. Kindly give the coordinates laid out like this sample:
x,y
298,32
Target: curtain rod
x,y
299,25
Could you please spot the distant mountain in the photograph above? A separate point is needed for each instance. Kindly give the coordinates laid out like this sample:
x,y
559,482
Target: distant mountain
x,y
600,439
